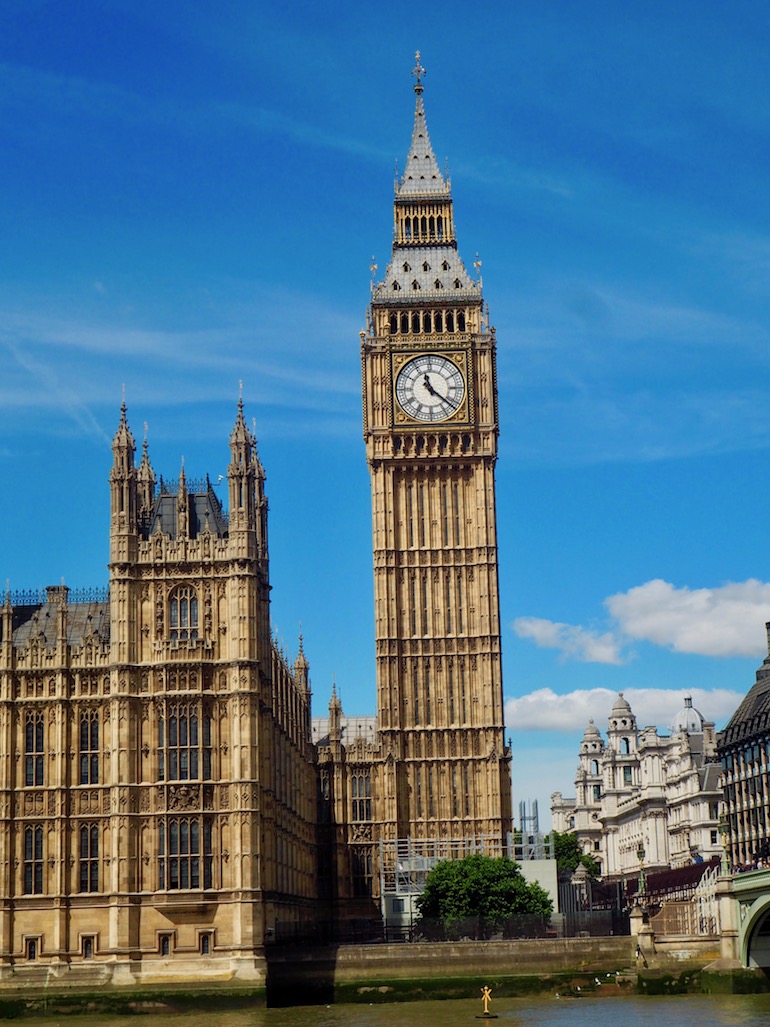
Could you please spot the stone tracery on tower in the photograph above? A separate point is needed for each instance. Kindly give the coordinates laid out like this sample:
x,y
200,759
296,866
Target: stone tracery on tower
x,y
436,765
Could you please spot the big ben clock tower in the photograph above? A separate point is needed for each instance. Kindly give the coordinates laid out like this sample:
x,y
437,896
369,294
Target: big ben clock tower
x,y
431,426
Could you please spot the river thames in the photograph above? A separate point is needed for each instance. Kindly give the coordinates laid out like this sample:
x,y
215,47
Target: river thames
x,y
684,1011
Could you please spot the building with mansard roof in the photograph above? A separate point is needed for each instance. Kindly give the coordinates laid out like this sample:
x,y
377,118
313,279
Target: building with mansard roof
x,y
644,797
744,752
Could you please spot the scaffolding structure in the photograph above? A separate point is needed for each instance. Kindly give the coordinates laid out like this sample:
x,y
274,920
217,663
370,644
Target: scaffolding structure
x,y
406,862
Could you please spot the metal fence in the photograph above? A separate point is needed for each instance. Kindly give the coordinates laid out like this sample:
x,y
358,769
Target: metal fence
x,y
594,924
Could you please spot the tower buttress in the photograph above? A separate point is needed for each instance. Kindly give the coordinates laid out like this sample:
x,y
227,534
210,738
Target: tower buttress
x,y
123,494
182,506
241,480
145,481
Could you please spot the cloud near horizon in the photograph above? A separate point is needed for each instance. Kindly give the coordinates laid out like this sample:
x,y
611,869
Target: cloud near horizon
x,y
721,622
544,710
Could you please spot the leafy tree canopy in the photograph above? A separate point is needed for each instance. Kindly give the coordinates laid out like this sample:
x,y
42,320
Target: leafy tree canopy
x,y
481,886
569,854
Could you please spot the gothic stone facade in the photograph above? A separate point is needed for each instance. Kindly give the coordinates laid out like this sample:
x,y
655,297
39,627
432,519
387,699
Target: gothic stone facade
x,y
436,766
157,780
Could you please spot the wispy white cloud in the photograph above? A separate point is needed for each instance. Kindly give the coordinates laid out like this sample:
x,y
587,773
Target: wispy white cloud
x,y
65,95
545,710
724,622
59,393
573,641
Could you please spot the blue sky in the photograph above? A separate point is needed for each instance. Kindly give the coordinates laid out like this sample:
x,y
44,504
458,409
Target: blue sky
x,y
191,196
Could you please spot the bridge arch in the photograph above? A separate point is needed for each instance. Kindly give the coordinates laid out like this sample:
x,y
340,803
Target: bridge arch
x,y
755,933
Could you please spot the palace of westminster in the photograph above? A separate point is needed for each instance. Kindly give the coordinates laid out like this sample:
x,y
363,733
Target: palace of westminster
x,y
165,807
167,804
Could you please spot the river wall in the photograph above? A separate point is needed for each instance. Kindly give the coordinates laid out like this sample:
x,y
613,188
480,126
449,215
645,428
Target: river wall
x,y
445,969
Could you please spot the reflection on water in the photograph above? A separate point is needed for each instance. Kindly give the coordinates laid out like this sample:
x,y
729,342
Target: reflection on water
x,y
684,1011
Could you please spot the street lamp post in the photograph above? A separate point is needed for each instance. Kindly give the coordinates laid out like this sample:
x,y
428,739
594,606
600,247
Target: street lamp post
x,y
640,854
723,831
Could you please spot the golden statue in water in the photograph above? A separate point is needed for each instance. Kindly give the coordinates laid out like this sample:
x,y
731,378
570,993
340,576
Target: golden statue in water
x,y
486,998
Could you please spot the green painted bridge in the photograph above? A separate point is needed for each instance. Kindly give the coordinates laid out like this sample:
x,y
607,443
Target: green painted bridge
x,y
751,891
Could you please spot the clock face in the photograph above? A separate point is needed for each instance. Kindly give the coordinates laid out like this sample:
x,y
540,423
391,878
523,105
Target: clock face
x,y
430,388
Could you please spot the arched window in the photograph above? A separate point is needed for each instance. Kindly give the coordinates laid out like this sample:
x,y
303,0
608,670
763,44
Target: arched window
x,y
624,747
361,794
594,766
450,321
33,861
185,856
89,748
361,865
183,614
184,744
34,739
460,320
89,857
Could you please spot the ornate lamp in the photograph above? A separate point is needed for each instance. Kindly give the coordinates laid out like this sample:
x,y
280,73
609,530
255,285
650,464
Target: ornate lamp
x,y
640,854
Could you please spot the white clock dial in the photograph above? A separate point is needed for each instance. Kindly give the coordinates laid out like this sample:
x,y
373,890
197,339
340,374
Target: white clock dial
x,y
430,388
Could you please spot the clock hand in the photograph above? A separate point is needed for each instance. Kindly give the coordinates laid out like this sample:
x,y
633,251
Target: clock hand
x,y
428,386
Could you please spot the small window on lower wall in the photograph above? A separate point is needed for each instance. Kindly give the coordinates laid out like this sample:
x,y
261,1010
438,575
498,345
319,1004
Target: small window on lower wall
x,y
33,947
88,946
164,944
205,942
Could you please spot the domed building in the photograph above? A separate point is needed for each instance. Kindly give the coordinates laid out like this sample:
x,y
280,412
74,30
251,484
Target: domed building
x,y
643,790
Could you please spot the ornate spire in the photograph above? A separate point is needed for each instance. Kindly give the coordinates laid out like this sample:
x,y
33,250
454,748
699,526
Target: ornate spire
x,y
421,172
123,437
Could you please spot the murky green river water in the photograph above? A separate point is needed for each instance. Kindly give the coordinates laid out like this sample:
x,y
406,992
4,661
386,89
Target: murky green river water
x,y
621,1011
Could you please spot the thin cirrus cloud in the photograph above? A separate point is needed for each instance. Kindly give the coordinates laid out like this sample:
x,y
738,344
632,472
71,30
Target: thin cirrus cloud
x,y
719,622
544,710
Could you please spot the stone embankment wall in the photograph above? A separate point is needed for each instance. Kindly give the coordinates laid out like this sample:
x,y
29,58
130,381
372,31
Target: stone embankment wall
x,y
444,969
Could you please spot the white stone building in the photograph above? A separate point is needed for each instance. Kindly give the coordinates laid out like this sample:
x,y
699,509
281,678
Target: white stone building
x,y
640,790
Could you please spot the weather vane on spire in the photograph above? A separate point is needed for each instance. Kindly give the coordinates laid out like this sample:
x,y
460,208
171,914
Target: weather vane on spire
x,y
417,71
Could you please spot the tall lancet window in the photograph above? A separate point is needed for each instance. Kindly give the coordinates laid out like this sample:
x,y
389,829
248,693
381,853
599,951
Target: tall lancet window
x,y
183,614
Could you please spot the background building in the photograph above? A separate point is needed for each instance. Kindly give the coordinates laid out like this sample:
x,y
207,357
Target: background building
x,y
744,751
643,798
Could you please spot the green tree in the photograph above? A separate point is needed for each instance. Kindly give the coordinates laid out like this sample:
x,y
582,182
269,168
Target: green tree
x,y
492,890
569,854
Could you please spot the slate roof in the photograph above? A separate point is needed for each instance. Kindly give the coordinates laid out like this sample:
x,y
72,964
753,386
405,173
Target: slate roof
x,y
421,174
40,622
204,511
444,266
752,718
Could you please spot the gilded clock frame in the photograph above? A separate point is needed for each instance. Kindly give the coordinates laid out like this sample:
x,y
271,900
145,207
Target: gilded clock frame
x,y
460,357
